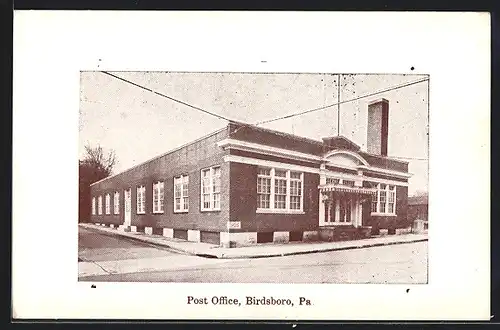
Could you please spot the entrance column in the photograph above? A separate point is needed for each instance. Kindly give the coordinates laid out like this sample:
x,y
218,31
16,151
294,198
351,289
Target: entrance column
x,y
322,207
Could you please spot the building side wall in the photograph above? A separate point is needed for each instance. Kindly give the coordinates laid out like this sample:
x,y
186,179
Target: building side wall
x,y
389,221
189,160
243,204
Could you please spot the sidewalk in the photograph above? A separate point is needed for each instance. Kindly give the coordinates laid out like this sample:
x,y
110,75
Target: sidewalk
x,y
260,250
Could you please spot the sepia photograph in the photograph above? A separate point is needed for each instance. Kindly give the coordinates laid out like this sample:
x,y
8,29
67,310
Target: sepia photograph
x,y
240,177
244,165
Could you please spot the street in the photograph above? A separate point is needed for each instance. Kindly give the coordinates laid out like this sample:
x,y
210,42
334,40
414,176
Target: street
x,y
402,263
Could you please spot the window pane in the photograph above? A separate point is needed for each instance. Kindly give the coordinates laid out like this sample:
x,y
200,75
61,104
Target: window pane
x,y
280,173
216,201
295,188
295,175
186,203
206,201
263,201
177,192
264,171
279,201
332,181
295,202
280,186
348,183
264,185
216,171
382,208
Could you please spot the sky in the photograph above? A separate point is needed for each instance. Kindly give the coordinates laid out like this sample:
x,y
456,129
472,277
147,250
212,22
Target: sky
x,y
139,125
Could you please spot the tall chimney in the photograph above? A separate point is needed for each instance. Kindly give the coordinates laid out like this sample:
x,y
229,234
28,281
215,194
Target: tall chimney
x,y
378,127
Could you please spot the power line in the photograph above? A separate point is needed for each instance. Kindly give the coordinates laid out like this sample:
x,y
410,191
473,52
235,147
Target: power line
x,y
289,116
342,102
166,96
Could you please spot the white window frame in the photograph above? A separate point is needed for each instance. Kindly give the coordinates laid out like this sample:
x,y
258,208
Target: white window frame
x,y
273,177
116,203
183,181
158,196
141,200
99,205
212,194
108,204
93,206
387,191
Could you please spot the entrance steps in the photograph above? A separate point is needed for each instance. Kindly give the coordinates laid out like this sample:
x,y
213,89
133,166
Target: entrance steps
x,y
343,233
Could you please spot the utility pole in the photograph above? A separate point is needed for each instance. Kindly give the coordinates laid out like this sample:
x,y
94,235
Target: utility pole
x,y
338,105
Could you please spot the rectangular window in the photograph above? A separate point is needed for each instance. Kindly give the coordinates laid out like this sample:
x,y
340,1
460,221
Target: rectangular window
x,y
181,193
385,200
279,189
141,200
349,183
263,188
332,181
295,190
99,205
116,203
375,203
392,200
158,197
210,189
93,206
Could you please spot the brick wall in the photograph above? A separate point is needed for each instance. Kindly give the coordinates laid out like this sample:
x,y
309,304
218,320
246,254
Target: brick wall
x,y
386,222
187,160
243,203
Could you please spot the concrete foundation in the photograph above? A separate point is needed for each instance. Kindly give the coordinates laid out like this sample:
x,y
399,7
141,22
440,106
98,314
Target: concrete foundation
x,y
281,237
168,232
310,236
193,235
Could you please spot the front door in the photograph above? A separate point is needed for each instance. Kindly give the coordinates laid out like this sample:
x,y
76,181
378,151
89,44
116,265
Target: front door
x,y
128,207
340,209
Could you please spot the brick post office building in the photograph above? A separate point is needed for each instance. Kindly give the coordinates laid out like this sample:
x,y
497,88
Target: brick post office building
x,y
244,185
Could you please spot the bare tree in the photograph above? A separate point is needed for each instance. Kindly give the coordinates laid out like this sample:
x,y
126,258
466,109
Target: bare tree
x,y
420,193
95,165
96,158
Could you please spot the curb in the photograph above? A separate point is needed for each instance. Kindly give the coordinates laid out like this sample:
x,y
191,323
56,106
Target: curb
x,y
236,256
316,251
139,239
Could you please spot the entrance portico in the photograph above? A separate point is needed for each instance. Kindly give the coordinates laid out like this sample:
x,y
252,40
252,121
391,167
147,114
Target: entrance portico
x,y
342,205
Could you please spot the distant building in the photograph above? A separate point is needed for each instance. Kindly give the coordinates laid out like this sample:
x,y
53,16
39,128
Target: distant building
x,y
244,184
418,208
